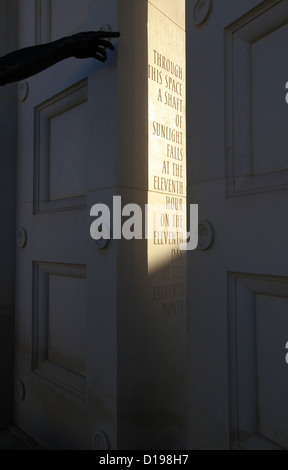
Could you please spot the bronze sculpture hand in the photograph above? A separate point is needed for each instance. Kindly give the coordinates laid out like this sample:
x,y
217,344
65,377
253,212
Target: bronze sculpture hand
x,y
29,61
91,44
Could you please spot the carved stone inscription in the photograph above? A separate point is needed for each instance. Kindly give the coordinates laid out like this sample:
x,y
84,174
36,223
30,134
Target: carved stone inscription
x,y
167,163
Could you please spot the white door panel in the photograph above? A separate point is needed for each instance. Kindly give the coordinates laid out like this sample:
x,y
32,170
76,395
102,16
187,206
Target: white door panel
x,y
57,402
237,159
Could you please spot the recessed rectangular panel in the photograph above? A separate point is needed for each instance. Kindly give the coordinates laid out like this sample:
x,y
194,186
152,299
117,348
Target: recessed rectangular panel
x,y
42,21
61,150
62,22
269,107
68,153
258,337
272,377
256,109
57,18
67,322
59,324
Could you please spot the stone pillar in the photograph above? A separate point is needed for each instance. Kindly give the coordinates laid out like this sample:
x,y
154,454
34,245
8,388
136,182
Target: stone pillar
x,y
151,286
8,131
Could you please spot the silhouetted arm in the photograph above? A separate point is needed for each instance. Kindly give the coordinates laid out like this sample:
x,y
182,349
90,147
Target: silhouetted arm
x,y
29,61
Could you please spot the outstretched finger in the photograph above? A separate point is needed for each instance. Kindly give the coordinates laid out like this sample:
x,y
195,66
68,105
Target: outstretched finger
x,y
99,57
101,52
103,43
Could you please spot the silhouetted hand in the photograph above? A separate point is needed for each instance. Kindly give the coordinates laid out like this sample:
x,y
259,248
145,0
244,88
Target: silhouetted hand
x,y
92,44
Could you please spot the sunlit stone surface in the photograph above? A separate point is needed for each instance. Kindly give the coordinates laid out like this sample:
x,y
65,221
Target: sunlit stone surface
x,y
167,155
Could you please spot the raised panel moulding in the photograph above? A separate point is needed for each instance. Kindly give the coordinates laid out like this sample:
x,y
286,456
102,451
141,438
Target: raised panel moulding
x,y
257,334
60,127
256,112
59,325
